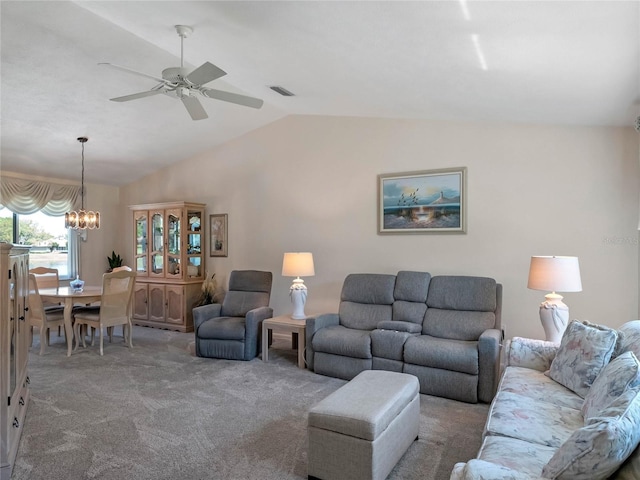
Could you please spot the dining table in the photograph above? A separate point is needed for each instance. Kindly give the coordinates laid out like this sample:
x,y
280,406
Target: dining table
x,y
70,297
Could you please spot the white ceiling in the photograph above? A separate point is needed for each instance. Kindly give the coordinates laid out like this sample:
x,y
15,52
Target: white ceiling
x,y
553,62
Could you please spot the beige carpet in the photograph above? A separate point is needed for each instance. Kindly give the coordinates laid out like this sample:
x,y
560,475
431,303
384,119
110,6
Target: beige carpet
x,y
158,412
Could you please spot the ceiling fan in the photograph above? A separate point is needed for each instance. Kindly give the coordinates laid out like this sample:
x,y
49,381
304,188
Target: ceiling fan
x,y
178,82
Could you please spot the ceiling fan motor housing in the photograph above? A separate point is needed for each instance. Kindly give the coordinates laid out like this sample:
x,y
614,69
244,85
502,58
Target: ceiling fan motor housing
x,y
175,74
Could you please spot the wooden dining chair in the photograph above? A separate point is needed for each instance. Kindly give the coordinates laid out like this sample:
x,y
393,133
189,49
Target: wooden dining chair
x,y
40,317
96,309
48,278
115,308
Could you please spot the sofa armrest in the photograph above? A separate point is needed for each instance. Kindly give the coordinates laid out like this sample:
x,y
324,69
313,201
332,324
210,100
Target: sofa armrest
x,y
313,324
203,313
254,318
253,330
530,353
400,326
482,470
488,363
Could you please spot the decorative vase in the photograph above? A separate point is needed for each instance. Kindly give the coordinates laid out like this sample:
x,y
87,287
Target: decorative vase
x,y
77,285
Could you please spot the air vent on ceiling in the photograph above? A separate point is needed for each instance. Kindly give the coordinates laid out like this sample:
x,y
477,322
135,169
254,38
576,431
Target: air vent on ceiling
x,y
282,91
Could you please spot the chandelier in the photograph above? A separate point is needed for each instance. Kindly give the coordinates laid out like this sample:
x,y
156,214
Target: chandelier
x,y
82,220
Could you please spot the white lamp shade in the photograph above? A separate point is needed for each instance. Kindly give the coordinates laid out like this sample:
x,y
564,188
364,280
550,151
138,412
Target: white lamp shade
x,y
555,274
298,264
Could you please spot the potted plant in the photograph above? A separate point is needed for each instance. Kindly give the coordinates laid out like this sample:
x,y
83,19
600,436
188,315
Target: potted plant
x,y
114,261
209,290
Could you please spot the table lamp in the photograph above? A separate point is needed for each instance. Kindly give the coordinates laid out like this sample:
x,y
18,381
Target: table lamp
x,y
555,274
298,264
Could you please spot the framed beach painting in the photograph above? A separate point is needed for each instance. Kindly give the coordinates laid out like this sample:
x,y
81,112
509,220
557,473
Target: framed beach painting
x,y
218,238
429,201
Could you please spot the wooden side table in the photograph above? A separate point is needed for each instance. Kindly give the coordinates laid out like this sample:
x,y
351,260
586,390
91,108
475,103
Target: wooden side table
x,y
284,323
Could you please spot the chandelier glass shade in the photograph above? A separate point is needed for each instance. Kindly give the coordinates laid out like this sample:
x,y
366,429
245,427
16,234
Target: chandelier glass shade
x,y
82,219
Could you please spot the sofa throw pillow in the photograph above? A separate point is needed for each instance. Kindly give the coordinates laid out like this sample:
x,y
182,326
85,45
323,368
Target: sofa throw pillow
x,y
584,351
619,348
619,374
597,450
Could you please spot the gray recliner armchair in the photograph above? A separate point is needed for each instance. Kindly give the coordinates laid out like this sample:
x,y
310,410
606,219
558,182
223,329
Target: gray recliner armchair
x,y
231,330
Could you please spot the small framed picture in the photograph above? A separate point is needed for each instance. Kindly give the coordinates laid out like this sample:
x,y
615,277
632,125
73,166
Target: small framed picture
x,y
429,201
218,228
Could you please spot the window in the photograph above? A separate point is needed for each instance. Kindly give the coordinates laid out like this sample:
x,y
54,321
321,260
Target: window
x,y
47,236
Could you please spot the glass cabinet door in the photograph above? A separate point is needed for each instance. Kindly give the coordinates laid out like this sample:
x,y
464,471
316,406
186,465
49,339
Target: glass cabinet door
x,y
195,246
173,243
157,244
141,221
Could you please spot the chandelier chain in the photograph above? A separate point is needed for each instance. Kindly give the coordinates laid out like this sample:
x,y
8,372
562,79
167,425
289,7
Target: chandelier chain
x,y
82,180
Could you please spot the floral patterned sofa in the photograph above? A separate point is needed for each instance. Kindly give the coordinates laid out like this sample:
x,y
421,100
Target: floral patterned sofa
x,y
567,411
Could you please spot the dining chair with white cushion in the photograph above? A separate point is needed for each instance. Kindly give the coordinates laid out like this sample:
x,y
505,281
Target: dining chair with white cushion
x,y
115,308
39,316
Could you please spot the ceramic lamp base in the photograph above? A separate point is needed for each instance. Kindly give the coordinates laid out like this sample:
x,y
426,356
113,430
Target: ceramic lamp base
x,y
298,294
554,316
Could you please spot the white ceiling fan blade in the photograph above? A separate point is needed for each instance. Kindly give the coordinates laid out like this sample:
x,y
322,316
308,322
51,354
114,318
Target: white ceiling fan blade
x,y
135,96
128,70
232,97
205,73
194,107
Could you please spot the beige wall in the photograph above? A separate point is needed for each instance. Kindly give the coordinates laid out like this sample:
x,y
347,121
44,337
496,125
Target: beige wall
x,y
100,243
310,184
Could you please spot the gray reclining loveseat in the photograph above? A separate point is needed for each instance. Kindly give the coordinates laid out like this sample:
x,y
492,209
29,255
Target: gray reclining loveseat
x,y
445,330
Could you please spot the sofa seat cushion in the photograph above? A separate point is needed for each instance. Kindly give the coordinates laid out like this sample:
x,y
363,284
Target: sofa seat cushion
x,y
223,328
537,386
388,344
532,420
525,457
455,355
339,340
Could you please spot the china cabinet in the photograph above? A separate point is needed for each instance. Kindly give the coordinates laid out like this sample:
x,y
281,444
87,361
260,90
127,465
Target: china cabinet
x,y
14,344
168,252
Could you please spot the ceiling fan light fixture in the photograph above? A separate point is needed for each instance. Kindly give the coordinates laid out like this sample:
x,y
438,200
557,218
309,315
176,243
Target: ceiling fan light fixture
x,y
82,219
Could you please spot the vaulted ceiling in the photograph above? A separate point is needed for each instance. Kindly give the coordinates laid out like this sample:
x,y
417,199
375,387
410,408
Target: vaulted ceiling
x,y
554,62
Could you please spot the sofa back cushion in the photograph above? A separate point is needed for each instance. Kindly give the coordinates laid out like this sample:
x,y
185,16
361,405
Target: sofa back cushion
x,y
366,300
583,352
410,295
631,337
460,307
620,374
248,289
598,449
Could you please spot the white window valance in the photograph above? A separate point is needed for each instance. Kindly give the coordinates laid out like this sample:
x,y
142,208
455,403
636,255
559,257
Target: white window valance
x,y
25,197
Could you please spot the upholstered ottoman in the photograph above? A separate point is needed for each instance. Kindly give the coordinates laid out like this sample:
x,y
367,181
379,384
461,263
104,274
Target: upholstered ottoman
x,y
362,429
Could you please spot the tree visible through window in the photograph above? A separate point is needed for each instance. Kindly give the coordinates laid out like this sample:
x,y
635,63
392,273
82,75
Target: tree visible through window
x,y
46,235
